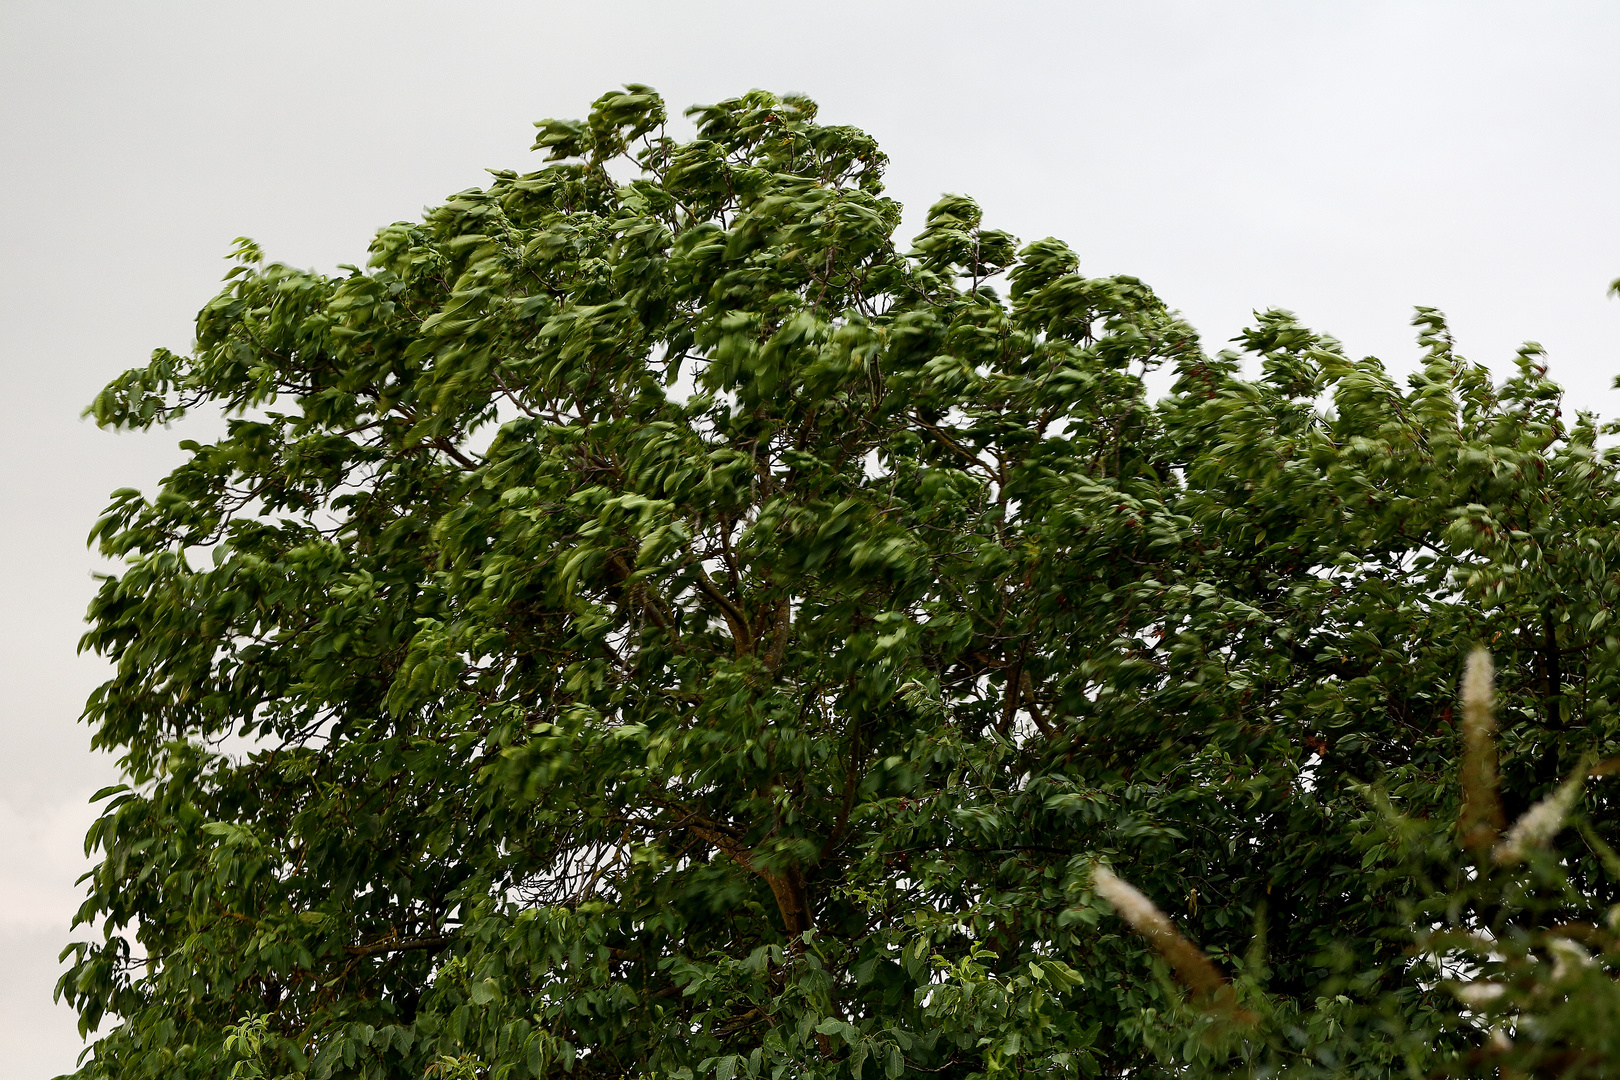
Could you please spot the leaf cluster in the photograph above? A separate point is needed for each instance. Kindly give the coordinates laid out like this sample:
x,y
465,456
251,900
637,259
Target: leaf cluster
x,y
675,632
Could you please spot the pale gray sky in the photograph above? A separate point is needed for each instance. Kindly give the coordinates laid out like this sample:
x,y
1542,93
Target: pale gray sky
x,y
1345,160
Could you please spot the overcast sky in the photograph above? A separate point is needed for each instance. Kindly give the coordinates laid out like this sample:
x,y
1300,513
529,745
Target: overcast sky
x,y
1344,160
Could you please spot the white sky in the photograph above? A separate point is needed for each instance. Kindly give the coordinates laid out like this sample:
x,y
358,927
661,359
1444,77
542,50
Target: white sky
x,y
1345,160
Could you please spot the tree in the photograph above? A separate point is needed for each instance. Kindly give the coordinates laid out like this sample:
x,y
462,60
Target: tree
x,y
675,633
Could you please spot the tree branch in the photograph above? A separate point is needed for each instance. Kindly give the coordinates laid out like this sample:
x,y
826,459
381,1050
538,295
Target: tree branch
x,y
389,945
741,633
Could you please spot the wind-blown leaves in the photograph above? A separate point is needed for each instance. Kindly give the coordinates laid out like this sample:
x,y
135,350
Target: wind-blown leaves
x,y
670,631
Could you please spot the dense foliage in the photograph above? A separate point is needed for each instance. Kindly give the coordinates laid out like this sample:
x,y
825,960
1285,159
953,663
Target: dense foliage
x,y
646,624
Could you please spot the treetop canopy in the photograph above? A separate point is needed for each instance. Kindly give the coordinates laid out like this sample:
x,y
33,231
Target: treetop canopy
x,y
680,633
